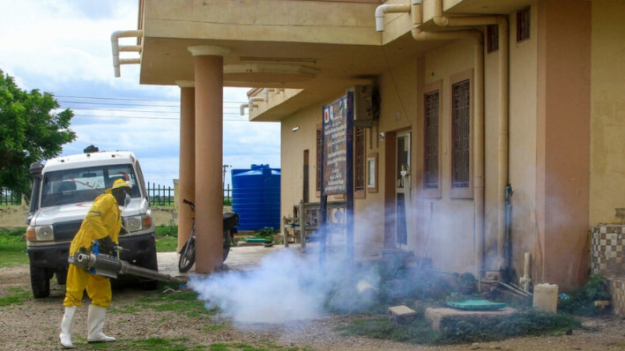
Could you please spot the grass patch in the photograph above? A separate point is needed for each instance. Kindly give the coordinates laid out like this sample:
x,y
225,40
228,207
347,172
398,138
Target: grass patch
x,y
185,301
12,248
150,344
245,347
455,331
417,331
166,238
210,328
125,309
17,297
161,344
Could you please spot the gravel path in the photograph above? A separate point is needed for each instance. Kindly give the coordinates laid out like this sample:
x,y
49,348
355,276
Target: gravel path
x,y
34,325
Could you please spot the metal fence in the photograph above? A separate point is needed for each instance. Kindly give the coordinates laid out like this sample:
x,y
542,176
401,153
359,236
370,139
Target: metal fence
x,y
9,198
160,195
227,197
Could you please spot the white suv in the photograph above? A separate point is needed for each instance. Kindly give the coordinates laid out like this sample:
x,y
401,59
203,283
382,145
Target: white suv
x,y
63,191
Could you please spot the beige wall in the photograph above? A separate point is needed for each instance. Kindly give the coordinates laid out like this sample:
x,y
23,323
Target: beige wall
x,y
368,235
607,172
450,240
293,144
543,162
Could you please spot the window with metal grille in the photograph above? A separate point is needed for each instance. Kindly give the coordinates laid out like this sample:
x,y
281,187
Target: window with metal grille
x,y
359,161
492,38
319,175
431,140
523,24
460,123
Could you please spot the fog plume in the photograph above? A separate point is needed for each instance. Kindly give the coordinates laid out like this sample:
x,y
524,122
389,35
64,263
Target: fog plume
x,y
286,286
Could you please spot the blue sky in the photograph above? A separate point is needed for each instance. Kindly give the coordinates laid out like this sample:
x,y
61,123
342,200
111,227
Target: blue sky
x,y
64,47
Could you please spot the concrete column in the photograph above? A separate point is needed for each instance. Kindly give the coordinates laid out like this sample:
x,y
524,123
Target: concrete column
x,y
563,143
186,183
208,156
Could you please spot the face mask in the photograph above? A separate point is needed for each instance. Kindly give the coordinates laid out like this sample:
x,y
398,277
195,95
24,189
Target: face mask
x,y
126,200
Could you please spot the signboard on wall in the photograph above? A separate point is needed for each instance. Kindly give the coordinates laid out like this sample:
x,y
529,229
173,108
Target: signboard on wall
x,y
337,129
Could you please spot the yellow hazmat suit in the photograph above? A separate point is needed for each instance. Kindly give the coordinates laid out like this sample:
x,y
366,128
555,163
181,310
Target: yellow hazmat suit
x,y
103,219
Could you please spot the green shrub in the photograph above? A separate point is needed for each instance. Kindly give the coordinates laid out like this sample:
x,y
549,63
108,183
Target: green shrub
x,y
267,233
530,322
581,302
464,330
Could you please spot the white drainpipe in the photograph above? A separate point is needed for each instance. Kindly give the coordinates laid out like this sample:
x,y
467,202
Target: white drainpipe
x,y
382,9
243,106
251,101
117,48
250,104
266,92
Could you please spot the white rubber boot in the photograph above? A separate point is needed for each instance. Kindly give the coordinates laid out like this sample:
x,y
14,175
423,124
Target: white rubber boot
x,y
95,321
66,327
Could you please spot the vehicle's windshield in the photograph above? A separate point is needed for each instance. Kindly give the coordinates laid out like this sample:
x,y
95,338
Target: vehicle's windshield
x,y
84,184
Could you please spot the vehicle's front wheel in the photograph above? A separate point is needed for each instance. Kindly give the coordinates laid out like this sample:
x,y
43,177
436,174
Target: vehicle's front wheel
x,y
61,276
151,263
40,282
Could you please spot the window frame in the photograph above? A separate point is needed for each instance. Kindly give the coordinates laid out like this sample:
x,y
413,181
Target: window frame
x,y
523,24
433,192
372,187
360,193
465,192
492,38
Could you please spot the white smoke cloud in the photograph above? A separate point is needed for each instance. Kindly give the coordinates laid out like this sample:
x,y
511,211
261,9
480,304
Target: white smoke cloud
x,y
287,286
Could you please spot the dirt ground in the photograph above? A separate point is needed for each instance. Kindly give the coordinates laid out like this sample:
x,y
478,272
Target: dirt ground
x,y
34,325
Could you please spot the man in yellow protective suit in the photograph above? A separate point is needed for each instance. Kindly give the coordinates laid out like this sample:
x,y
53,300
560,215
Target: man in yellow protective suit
x,y
102,223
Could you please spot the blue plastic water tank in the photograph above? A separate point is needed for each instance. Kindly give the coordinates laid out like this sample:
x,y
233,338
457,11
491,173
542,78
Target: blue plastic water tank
x,y
256,197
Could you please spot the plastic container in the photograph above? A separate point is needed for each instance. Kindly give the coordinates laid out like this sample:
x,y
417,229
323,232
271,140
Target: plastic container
x,y
546,297
256,197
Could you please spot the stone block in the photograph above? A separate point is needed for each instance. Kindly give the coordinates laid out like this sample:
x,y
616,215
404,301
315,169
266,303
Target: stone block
x,y
401,314
436,315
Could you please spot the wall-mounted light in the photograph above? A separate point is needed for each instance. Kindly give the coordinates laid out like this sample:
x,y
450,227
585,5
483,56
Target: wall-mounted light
x,y
295,129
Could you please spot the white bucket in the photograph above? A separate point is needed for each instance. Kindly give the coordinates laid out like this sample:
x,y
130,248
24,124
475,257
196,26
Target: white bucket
x,y
546,297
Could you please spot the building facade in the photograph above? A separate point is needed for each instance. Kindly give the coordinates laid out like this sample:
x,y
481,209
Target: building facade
x,y
498,123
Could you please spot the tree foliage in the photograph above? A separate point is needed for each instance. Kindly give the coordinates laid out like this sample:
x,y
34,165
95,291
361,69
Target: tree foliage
x,y
30,131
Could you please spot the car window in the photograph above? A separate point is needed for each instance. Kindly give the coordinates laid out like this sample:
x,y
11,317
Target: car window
x,y
84,184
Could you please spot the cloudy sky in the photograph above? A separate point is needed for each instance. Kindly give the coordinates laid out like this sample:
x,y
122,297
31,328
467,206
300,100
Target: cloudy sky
x,y
64,47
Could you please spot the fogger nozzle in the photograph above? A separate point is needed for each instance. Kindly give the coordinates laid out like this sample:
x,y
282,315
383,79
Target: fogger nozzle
x,y
110,266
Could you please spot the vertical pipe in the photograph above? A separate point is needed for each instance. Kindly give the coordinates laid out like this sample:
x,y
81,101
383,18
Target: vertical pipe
x,y
478,159
503,157
302,226
349,182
